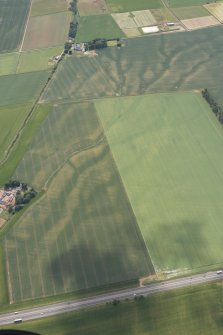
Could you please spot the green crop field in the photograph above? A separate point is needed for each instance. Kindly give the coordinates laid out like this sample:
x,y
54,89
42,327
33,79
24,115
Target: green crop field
x,y
83,78
179,61
7,169
8,63
37,60
192,311
174,145
47,31
97,26
11,119
43,7
57,140
82,233
184,13
21,87
119,6
13,16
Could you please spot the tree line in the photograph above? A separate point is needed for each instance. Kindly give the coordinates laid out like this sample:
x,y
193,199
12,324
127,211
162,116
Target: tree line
x,y
216,109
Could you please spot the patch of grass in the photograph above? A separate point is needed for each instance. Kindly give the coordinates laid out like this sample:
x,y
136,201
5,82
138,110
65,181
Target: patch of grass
x,y
47,31
119,6
20,88
97,26
8,63
72,231
7,169
43,7
184,13
11,119
174,145
163,15
13,16
37,60
195,310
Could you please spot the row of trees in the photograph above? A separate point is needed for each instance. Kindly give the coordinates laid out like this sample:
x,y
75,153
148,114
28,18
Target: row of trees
x,y
217,110
15,183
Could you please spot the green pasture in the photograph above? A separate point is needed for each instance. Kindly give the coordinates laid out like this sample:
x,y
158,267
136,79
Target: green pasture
x,y
11,120
37,60
43,7
13,16
163,15
185,3
190,311
119,6
8,63
47,31
8,168
20,88
97,26
169,151
171,62
82,232
184,13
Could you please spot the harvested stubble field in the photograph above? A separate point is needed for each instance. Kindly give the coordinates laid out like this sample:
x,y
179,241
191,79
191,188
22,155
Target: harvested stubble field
x,y
171,62
43,7
216,9
13,16
82,233
174,145
8,63
14,116
100,26
37,60
23,87
200,22
124,20
89,7
47,31
184,13
120,6
143,18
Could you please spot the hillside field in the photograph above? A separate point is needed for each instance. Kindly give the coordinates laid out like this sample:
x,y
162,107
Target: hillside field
x,y
174,146
119,6
190,12
47,31
8,63
97,26
151,64
13,16
11,119
21,87
43,7
37,60
82,232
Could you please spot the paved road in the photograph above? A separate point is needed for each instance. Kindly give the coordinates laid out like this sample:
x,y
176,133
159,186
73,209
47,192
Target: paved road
x,y
59,308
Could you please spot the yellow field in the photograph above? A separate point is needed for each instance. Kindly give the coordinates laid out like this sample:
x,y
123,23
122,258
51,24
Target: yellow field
x,y
200,22
216,9
144,18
